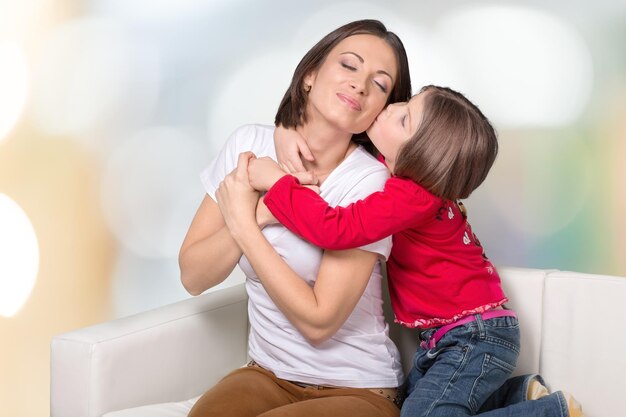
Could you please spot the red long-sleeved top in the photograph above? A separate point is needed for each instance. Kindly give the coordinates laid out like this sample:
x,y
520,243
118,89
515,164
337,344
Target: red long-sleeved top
x,y
437,269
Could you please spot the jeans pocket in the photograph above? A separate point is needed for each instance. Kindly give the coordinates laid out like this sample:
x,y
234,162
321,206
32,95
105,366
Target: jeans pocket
x,y
493,374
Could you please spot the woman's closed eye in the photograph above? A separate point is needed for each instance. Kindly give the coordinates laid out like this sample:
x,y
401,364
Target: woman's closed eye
x,y
380,85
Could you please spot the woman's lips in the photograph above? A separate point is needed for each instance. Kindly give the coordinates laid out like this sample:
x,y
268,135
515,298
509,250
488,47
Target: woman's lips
x,y
352,103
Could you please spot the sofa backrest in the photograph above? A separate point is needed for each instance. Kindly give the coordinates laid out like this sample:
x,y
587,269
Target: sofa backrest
x,y
572,333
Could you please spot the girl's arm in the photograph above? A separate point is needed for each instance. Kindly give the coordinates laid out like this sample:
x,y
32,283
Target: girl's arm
x,y
402,204
316,312
289,145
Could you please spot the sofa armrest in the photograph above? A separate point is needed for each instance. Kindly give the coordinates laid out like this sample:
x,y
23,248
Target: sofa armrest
x,y
171,353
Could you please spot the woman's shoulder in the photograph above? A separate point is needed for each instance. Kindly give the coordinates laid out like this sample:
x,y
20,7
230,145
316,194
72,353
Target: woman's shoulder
x,y
257,138
253,132
359,175
362,161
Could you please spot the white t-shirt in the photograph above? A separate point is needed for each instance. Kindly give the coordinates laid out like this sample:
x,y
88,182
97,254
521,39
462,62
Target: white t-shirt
x,y
360,354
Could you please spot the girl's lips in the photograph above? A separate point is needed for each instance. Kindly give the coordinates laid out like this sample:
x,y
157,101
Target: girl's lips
x,y
352,103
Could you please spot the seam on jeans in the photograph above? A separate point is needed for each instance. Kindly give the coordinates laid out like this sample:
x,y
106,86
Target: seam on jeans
x,y
454,377
503,343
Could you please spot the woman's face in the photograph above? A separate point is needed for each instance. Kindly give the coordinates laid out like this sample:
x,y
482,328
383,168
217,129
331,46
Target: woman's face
x,y
394,126
352,85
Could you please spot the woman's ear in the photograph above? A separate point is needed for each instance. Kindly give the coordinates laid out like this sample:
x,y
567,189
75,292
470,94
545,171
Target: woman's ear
x,y
308,81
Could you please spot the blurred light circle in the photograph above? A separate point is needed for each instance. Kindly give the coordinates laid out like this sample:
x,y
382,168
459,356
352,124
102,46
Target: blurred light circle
x,y
523,67
314,26
539,186
13,86
20,19
151,189
250,95
157,11
94,76
19,257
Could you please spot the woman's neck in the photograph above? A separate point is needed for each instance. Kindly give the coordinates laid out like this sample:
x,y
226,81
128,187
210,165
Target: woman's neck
x,y
329,147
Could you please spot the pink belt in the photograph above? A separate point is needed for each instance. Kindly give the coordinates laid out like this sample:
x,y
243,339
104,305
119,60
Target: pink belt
x,y
432,341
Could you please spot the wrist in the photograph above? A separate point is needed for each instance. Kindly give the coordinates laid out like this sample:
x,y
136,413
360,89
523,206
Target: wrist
x,y
243,234
238,229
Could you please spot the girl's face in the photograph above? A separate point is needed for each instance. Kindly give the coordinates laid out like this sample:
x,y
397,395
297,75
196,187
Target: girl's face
x,y
353,83
394,126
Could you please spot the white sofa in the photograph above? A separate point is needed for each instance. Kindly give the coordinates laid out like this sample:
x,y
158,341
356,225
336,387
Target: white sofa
x,y
158,362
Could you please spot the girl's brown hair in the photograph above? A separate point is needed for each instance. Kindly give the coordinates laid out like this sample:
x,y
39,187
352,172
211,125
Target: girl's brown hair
x,y
454,146
291,111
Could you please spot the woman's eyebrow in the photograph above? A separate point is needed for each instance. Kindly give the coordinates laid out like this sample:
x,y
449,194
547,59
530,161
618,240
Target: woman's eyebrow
x,y
360,58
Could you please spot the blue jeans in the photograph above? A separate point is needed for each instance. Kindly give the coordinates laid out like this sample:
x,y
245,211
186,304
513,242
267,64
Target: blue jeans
x,y
466,374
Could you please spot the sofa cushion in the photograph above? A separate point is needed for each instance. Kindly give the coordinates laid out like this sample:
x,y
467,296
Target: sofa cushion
x,y
584,339
179,409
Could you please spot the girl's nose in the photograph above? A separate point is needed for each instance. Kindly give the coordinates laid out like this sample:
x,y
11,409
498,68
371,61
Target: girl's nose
x,y
393,107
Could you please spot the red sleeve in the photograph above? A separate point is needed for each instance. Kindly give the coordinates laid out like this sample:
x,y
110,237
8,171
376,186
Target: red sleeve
x,y
402,204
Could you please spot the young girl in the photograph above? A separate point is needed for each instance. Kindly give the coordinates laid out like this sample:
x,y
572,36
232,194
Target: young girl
x,y
439,148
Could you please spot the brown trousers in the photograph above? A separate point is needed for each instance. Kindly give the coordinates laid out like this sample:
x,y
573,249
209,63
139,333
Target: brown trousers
x,y
256,392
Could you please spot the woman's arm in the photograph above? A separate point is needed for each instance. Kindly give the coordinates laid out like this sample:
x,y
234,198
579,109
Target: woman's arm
x,y
402,204
208,253
316,312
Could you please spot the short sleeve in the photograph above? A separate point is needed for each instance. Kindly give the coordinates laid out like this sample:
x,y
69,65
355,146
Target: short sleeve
x,y
225,162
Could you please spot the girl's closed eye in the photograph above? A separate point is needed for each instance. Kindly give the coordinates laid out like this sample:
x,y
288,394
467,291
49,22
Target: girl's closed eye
x,y
403,120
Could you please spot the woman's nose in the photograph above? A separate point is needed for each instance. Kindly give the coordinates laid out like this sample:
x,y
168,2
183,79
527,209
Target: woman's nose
x,y
358,85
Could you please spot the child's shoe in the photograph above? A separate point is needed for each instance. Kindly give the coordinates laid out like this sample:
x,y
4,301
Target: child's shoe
x,y
536,389
573,407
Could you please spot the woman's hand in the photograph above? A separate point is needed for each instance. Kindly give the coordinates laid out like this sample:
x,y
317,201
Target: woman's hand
x,y
237,199
289,146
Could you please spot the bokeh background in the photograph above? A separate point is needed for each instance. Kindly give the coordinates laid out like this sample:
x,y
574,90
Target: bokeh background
x,y
110,108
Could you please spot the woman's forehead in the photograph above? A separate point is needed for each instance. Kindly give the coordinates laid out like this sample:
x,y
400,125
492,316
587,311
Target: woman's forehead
x,y
372,49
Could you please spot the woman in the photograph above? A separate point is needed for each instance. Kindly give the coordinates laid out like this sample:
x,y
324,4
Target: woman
x,y
318,339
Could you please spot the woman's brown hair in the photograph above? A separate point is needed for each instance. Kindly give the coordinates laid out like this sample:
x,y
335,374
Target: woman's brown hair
x,y
454,146
291,112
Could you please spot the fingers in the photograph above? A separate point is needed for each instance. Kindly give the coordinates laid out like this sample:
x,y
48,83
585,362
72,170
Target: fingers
x,y
305,151
306,178
242,162
284,167
244,158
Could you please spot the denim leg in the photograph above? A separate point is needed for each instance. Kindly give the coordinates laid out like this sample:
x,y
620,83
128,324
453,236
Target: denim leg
x,y
465,367
513,391
553,405
510,401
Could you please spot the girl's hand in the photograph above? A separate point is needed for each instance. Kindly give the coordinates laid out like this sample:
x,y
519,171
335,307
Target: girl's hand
x,y
236,197
263,173
289,146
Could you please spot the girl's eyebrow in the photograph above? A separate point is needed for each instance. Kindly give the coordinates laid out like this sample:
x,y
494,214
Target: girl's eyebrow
x,y
360,58
411,120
